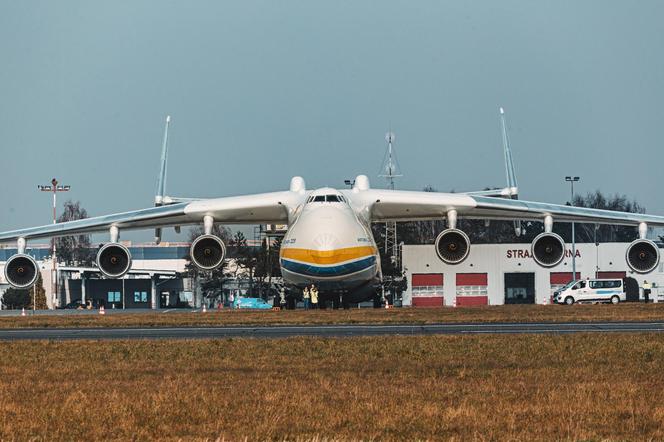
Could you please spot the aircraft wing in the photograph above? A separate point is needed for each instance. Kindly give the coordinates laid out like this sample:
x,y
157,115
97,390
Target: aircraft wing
x,y
395,205
273,208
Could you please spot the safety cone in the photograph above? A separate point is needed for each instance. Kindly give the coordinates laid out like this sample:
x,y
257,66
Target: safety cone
x,y
204,308
220,306
101,310
23,311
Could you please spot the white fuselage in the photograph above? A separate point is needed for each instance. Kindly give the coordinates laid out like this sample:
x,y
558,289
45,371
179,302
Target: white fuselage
x,y
329,245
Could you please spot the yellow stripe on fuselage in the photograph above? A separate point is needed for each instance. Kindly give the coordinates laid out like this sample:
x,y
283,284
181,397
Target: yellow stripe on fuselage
x,y
327,256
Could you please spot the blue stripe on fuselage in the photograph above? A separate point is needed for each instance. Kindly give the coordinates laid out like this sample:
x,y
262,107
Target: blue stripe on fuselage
x,y
320,271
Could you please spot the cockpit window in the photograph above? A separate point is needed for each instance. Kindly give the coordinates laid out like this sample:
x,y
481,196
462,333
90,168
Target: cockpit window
x,y
328,198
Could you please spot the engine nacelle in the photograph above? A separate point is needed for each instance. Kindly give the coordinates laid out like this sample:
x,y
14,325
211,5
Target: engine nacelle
x,y
21,271
452,246
113,260
207,252
548,249
642,256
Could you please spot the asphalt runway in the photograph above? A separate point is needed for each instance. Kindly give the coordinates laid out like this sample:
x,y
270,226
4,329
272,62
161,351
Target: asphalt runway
x,y
329,331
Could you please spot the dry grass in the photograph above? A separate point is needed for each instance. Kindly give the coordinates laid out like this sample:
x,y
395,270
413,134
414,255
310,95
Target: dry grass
x,y
528,387
504,313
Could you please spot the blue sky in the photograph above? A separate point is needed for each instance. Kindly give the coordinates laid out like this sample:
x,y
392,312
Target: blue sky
x,y
260,91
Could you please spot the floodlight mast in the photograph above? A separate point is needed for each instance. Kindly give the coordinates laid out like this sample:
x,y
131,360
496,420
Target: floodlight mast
x,y
54,187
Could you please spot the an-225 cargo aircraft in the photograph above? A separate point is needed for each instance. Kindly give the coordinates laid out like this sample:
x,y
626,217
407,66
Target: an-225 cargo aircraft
x,y
329,242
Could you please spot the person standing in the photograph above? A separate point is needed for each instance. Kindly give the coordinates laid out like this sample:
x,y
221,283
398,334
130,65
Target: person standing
x,y
314,296
646,291
305,296
282,297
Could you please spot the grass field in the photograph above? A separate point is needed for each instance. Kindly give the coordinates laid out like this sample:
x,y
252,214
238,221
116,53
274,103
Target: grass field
x,y
525,387
499,313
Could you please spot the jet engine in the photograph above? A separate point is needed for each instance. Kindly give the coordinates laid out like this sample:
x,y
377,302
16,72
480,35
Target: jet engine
x,y
642,256
114,260
548,249
21,271
452,246
207,252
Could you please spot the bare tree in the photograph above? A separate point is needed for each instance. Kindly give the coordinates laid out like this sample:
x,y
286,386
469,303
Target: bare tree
x,y
246,257
73,249
604,232
481,232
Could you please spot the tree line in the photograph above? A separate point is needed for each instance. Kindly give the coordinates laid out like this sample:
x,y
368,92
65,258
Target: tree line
x,y
483,232
258,263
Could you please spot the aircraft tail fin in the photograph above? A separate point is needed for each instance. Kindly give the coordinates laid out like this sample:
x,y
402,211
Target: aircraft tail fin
x,y
160,193
161,179
512,185
160,198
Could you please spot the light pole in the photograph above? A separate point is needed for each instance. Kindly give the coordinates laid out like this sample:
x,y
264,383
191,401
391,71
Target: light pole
x,y
571,181
55,188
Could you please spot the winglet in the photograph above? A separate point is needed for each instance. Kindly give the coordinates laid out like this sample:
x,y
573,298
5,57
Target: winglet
x,y
161,179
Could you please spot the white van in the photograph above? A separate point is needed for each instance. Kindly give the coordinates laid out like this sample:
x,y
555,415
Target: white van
x,y
592,290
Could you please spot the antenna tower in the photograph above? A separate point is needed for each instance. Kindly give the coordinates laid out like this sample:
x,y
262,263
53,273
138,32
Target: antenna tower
x,y
390,168
390,171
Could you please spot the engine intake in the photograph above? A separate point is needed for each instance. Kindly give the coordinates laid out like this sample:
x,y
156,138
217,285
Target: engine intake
x,y
642,256
21,271
207,252
548,249
452,246
114,260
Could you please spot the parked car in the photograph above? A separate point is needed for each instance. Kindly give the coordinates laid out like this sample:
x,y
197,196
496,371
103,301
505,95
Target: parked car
x,y
74,305
592,290
78,305
251,303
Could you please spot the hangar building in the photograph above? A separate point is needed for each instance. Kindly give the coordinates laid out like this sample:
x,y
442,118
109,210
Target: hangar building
x,y
155,279
495,274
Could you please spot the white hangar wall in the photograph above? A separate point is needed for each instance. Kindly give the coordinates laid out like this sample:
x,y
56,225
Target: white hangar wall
x,y
481,278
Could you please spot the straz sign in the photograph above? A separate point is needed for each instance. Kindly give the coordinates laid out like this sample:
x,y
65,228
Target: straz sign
x,y
525,253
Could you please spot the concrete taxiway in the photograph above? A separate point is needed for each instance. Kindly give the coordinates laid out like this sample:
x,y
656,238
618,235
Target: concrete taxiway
x,y
328,330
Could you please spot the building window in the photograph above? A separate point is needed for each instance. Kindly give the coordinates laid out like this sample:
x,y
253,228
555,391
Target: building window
x,y
140,296
113,296
472,290
427,291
